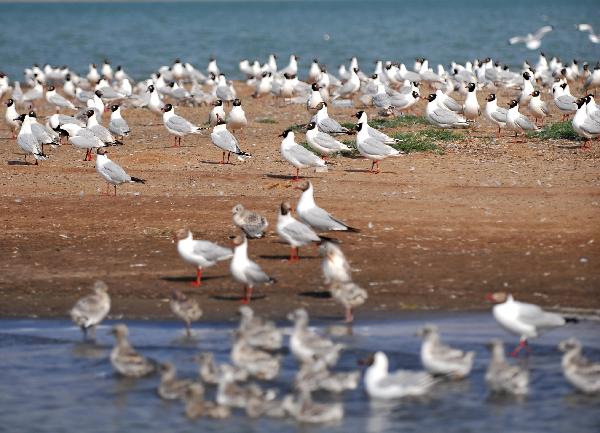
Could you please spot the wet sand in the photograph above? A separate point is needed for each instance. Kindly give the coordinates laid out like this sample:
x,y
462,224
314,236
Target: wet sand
x,y
438,229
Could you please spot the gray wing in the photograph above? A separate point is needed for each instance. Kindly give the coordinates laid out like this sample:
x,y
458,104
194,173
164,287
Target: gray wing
x,y
452,105
591,126
499,116
118,127
32,94
322,220
301,232
327,141
406,378
86,141
88,306
381,100
534,315
525,123
254,224
61,101
63,118
372,146
303,156
446,117
28,143
330,126
115,172
401,101
566,103
102,133
179,124
211,252
41,134
378,135
224,93
255,274
225,140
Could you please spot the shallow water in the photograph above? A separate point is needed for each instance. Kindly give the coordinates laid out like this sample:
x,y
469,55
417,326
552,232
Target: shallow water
x,y
51,382
144,36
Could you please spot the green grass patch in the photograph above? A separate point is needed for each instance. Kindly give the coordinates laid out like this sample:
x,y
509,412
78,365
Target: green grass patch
x,y
559,131
265,120
350,125
395,122
297,128
425,140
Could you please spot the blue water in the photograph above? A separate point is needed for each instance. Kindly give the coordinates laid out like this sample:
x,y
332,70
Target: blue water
x,y
51,382
144,36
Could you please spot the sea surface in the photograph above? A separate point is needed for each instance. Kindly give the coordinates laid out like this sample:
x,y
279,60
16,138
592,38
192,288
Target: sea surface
x,y
144,36
50,381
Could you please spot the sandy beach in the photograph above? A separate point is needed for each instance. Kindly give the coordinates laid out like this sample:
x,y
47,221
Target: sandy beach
x,y
439,229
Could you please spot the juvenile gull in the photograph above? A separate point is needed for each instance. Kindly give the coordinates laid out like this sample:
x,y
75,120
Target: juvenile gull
x,y
303,409
440,359
111,172
90,310
257,362
335,267
187,309
210,371
578,370
503,378
171,388
196,406
316,376
250,222
124,359
350,295
306,345
229,393
202,254
259,333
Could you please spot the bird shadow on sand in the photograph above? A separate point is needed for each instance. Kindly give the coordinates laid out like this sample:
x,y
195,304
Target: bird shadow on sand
x,y
286,257
190,278
216,162
16,162
236,298
289,177
320,294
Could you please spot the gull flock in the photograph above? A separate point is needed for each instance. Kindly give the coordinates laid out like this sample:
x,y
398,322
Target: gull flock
x,y
77,107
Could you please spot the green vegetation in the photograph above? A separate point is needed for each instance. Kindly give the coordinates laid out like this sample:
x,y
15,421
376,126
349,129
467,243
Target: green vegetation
x,y
297,128
425,140
265,120
560,131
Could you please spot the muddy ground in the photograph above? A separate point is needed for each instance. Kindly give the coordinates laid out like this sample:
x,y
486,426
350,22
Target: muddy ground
x,y
438,229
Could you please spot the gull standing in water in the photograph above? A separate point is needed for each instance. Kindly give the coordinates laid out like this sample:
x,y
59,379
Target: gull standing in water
x,y
293,232
440,359
199,253
187,309
251,223
381,384
90,310
523,319
316,217
503,378
171,388
297,155
350,295
226,141
494,113
373,149
578,370
245,271
177,125
111,172
306,345
124,358
196,406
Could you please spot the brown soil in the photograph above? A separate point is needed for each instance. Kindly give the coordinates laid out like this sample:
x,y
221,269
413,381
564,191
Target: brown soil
x,y
438,230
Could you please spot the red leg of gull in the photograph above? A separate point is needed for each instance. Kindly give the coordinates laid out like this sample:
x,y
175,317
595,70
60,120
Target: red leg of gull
x,y
115,186
297,177
198,281
223,159
349,316
247,295
174,141
522,345
228,156
294,255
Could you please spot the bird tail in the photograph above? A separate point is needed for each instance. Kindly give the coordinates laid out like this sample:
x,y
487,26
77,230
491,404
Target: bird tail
x,y
242,153
353,230
571,319
138,180
328,239
40,156
116,143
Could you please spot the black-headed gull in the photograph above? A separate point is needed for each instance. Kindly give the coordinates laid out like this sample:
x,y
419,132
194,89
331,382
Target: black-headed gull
x,y
226,141
584,125
111,172
373,149
316,217
11,117
538,108
57,100
294,232
440,116
28,142
322,142
177,125
236,119
117,125
494,113
217,112
350,295
523,319
297,155
200,253
517,122
325,123
90,310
